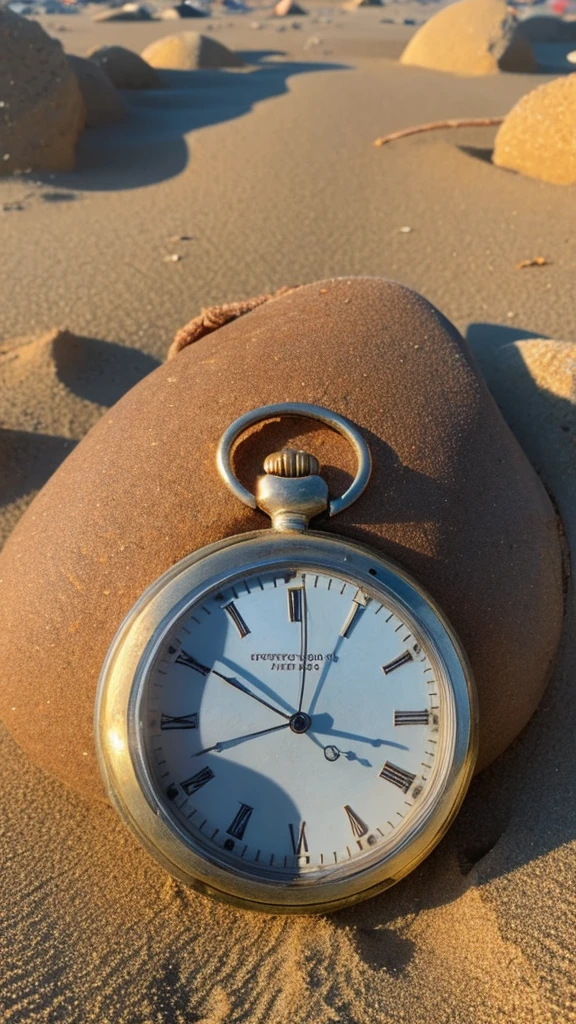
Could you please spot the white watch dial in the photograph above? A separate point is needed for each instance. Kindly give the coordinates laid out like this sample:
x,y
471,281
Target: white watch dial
x,y
293,724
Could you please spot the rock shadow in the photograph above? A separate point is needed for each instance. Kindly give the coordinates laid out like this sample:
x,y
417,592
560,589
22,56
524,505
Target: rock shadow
x,y
478,152
99,371
383,949
27,460
151,146
520,808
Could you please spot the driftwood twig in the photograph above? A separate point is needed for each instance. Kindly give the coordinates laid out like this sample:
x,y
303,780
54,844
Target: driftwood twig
x,y
451,122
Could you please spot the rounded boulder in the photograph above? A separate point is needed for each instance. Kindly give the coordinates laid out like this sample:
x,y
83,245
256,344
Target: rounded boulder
x,y
189,51
42,112
103,102
452,498
471,37
125,69
184,10
288,8
538,137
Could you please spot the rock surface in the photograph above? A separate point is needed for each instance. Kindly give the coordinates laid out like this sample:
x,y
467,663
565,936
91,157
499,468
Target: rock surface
x,y
353,5
189,51
42,111
128,12
538,137
125,69
184,10
288,8
452,498
471,37
103,102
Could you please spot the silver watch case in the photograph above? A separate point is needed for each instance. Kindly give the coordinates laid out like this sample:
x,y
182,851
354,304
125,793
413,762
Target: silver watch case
x,y
120,745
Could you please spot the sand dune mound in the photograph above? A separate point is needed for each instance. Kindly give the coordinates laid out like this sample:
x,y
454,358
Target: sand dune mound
x,y
42,111
538,137
103,102
125,69
471,37
188,51
34,376
60,383
288,8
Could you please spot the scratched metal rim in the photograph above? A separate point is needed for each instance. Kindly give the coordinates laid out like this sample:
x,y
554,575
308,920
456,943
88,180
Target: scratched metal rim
x,y
123,682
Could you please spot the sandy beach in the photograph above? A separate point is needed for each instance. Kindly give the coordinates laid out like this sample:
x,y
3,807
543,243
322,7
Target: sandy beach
x,y
221,185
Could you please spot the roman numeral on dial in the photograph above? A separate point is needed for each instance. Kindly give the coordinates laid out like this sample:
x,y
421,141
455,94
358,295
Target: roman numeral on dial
x,y
295,604
238,826
397,776
299,839
179,721
190,662
196,782
359,827
412,717
397,663
237,619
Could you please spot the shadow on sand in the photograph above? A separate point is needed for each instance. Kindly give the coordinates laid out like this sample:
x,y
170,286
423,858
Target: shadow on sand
x,y
521,808
150,146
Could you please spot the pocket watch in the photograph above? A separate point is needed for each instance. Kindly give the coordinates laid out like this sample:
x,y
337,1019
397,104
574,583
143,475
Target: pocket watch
x,y
286,719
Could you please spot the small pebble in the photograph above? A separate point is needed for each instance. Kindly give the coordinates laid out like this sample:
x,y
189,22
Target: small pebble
x,y
173,258
405,230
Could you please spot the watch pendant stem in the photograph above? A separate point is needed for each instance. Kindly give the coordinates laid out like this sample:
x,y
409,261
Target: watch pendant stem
x,y
291,492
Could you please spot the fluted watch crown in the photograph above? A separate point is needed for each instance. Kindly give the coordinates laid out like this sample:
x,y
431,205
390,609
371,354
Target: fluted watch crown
x,y
291,462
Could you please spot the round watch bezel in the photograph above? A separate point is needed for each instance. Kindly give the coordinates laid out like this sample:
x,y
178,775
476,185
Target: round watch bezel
x,y
133,654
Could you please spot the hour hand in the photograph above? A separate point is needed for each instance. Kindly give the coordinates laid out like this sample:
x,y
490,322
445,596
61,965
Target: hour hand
x,y
225,744
190,662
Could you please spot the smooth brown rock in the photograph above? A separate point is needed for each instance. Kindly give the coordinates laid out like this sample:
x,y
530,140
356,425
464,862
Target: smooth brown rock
x,y
42,111
288,8
125,69
103,102
188,51
452,498
183,10
353,5
538,137
128,12
471,37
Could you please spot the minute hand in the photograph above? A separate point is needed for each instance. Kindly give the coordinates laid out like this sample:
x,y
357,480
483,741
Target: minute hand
x,y
244,689
303,643
187,659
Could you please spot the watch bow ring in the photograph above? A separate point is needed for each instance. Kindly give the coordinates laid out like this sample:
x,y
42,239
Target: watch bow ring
x,y
312,412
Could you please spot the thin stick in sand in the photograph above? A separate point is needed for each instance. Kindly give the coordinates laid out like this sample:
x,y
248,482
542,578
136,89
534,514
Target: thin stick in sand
x,y
451,122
